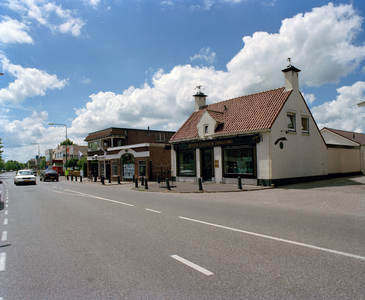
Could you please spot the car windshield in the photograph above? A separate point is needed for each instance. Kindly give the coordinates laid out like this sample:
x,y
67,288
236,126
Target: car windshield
x,y
51,172
25,173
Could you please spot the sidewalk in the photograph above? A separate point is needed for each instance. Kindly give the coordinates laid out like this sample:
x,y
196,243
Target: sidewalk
x,y
182,187
354,183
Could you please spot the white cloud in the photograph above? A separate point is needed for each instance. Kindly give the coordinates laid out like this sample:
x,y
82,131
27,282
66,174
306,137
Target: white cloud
x,y
29,82
321,43
49,14
13,31
93,3
343,113
309,98
205,54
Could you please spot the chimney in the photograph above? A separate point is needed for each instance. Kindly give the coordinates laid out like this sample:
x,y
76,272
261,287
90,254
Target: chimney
x,y
291,77
199,98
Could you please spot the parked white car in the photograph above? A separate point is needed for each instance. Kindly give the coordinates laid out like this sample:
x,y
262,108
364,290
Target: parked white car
x,y
24,177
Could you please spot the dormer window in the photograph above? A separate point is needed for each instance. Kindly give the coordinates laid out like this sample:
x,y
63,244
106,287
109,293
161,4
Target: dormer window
x,y
206,128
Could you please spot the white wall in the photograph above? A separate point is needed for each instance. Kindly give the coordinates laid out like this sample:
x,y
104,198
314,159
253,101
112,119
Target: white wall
x,y
342,160
303,154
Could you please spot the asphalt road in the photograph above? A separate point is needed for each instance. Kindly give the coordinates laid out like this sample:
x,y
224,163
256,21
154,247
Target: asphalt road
x,y
67,240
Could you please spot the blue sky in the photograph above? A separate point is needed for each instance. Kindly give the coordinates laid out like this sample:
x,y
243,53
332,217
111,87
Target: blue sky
x,y
93,64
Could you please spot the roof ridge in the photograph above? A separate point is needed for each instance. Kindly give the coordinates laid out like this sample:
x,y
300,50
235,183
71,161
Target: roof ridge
x,y
283,87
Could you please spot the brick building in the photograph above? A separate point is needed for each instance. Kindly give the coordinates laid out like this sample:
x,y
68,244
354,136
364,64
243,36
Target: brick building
x,y
126,152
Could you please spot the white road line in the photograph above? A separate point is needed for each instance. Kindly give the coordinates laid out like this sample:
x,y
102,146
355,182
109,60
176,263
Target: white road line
x,y
278,239
5,221
4,236
192,265
6,212
156,211
96,197
2,261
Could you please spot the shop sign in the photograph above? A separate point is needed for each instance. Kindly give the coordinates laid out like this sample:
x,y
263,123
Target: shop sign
x,y
248,139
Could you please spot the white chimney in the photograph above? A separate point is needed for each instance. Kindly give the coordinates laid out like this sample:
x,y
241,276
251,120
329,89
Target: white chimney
x,y
199,98
291,78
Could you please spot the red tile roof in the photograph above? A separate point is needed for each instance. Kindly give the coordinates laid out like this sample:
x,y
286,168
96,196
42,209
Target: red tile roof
x,y
353,136
238,115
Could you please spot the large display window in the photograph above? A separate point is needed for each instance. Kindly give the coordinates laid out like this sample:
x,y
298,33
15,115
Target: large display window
x,y
186,163
238,161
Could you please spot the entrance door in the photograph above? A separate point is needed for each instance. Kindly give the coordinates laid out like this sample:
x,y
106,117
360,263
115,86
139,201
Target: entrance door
x,y
207,164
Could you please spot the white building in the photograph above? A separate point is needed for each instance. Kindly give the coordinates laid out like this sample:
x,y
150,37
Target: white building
x,y
346,151
264,138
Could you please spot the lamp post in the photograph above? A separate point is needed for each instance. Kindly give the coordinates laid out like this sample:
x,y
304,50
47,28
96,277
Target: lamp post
x,y
39,153
66,135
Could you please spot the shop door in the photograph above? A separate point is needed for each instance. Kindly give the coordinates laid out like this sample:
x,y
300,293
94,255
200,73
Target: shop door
x,y
207,164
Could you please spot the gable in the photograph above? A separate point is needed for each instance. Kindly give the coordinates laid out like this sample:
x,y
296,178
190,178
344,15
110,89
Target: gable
x,y
332,137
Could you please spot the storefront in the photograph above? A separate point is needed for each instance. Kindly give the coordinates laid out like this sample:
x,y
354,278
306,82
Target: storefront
x,y
216,159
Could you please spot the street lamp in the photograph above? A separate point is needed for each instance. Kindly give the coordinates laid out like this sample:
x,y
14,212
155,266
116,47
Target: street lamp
x,y
39,151
66,135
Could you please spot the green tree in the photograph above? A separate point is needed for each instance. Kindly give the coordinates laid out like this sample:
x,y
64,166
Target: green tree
x,y
1,151
71,163
42,163
82,162
68,142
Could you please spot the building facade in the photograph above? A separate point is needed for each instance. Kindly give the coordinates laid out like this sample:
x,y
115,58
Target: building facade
x,y
264,138
127,153
346,151
56,158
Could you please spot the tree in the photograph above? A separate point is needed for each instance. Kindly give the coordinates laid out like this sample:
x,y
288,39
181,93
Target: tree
x,y
1,151
81,163
71,163
42,164
68,142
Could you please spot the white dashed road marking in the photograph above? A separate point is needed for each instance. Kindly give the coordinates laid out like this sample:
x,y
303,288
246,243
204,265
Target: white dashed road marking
x,y
2,261
156,211
192,265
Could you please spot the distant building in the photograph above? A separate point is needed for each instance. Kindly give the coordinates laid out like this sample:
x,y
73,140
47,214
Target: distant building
x,y
127,152
346,151
56,158
264,138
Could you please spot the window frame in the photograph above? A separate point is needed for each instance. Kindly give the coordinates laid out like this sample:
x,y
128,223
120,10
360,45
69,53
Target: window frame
x,y
253,162
293,118
306,131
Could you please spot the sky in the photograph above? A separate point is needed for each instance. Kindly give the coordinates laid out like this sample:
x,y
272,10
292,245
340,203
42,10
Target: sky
x,y
94,64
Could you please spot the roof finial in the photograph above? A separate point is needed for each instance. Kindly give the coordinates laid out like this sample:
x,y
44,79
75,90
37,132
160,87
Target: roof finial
x,y
289,60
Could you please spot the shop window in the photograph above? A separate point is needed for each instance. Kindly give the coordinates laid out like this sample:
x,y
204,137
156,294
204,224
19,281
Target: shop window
x,y
160,137
115,168
290,121
142,168
239,161
305,125
186,163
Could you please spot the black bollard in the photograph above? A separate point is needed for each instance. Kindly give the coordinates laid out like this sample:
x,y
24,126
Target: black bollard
x,y
200,184
158,178
67,177
239,183
95,178
102,180
168,184
146,184
110,179
134,178
142,180
118,179
72,178
80,178
76,178
136,182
